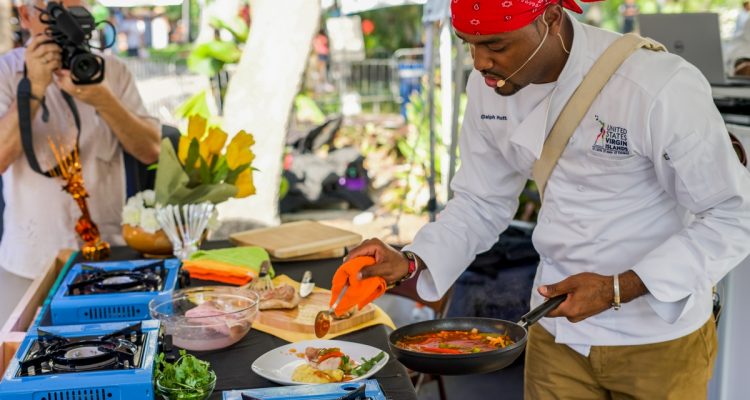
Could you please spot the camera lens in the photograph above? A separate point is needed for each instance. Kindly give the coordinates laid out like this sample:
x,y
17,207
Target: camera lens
x,y
86,67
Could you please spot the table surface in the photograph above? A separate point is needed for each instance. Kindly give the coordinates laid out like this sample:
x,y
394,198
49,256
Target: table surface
x,y
232,365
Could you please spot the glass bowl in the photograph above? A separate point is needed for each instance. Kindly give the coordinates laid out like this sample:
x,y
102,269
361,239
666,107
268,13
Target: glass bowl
x,y
206,318
202,393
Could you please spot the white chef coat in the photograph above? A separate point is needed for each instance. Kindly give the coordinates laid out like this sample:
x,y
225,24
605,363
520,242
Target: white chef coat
x,y
39,217
648,182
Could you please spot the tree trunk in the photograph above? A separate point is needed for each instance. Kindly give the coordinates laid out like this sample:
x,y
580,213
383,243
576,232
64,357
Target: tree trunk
x,y
260,97
6,41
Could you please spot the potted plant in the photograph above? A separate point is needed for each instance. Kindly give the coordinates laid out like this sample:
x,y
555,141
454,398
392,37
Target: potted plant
x,y
204,169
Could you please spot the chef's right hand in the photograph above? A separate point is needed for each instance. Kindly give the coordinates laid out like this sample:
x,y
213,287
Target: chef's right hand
x,y
390,264
42,58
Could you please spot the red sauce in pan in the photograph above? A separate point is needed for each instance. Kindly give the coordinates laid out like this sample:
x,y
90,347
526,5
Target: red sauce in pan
x,y
454,342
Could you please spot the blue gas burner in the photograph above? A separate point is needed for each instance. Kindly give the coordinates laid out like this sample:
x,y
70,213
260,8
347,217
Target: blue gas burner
x,y
111,361
112,291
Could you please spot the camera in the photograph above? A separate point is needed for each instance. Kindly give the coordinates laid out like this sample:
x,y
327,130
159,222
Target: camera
x,y
71,29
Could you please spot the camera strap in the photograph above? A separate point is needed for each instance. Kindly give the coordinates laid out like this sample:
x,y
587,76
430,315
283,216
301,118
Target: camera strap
x,y
23,103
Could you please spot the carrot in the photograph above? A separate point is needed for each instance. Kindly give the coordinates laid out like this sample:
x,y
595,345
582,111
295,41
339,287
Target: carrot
x,y
330,355
440,350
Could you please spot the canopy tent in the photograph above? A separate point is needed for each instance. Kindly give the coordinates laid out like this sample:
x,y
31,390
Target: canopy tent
x,y
356,6
138,3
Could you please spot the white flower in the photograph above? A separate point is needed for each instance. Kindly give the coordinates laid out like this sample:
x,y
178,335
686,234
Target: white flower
x,y
139,211
148,222
131,214
149,198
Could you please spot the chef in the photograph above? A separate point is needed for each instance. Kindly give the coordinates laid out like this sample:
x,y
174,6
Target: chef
x,y
646,210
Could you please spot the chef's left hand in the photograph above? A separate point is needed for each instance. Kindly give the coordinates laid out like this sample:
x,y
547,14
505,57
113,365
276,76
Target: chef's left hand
x,y
588,294
94,94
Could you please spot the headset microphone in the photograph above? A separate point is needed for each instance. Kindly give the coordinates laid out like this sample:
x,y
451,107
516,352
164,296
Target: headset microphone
x,y
501,82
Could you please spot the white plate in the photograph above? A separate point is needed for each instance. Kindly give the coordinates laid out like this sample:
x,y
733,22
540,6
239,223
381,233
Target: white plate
x,y
278,364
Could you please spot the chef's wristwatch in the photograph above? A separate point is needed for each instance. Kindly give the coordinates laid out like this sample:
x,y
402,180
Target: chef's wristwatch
x,y
413,267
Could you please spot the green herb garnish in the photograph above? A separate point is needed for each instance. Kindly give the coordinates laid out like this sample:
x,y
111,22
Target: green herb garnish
x,y
367,364
187,373
346,365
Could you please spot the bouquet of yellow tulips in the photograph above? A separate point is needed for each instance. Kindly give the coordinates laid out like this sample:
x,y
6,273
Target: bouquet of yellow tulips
x,y
202,170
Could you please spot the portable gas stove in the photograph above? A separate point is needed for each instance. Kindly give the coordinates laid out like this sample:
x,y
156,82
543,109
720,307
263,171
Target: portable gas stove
x,y
113,291
112,361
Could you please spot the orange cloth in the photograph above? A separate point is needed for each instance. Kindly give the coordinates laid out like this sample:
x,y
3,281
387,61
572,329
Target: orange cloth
x,y
360,292
218,271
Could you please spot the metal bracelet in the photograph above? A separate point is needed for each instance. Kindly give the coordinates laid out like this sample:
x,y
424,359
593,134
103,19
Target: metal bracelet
x,y
616,303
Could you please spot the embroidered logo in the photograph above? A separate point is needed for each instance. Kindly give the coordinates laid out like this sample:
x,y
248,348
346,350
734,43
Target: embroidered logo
x,y
494,117
611,139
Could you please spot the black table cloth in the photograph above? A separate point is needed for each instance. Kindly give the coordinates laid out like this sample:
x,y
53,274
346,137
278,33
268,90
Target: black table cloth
x,y
232,365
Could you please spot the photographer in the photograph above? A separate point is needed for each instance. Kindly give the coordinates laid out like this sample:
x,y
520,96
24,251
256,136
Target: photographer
x,y
39,217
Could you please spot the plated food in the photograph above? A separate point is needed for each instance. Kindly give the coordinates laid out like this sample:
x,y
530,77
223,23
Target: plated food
x,y
454,342
328,365
281,364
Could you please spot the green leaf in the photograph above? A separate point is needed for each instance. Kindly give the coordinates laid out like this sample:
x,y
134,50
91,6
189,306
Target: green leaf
x,y
195,105
187,373
209,58
172,183
284,188
221,170
367,364
307,110
205,171
235,25
234,173
192,157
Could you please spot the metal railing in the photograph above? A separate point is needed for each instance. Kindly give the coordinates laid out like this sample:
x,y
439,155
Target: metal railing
x,y
164,85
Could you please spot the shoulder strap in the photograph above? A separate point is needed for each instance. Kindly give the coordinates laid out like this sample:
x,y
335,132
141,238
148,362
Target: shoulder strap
x,y
23,103
580,102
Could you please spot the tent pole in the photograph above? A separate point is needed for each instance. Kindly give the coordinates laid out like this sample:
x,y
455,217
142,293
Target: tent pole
x,y
430,57
458,89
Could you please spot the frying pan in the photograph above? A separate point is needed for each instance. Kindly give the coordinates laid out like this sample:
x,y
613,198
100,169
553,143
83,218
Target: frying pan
x,y
472,363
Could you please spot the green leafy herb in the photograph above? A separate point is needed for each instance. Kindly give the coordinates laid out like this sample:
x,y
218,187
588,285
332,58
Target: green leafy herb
x,y
346,365
367,364
188,373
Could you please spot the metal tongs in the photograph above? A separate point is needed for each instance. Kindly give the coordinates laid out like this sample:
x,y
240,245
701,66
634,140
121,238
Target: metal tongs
x,y
323,319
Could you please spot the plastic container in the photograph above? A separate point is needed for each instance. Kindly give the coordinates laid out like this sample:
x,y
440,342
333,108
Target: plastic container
x,y
206,318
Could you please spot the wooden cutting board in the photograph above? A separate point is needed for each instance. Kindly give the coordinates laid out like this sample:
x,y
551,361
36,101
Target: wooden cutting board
x,y
302,318
297,239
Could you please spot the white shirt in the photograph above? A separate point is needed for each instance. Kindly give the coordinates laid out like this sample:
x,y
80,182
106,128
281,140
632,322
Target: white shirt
x,y
658,191
39,217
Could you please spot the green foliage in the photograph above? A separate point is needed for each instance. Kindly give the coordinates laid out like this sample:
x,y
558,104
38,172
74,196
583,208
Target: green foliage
x,y
307,110
209,58
172,53
236,26
188,373
367,365
612,20
395,28
195,105
177,186
415,147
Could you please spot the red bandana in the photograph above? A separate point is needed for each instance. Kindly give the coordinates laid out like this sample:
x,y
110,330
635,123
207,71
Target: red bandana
x,y
489,17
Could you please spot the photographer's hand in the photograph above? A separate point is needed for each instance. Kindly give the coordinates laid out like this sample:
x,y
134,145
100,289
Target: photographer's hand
x,y
42,58
94,94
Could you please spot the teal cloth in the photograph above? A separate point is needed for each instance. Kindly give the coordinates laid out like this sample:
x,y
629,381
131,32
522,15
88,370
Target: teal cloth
x,y
249,257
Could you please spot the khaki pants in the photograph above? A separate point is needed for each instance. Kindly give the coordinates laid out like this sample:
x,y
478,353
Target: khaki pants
x,y
676,369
